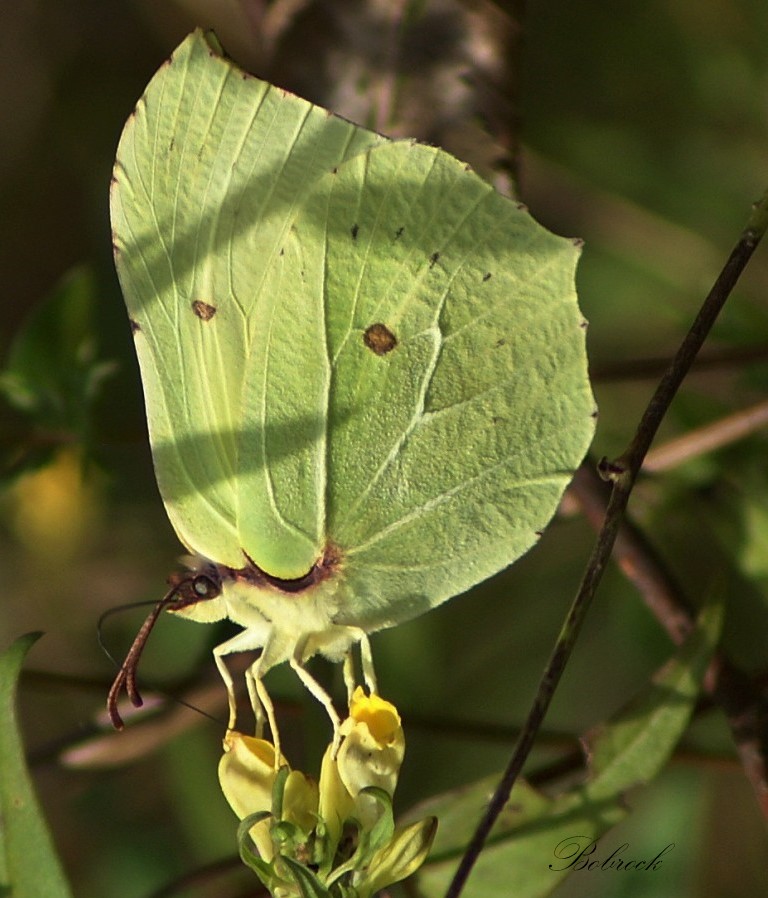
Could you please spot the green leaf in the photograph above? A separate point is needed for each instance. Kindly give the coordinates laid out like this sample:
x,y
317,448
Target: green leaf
x,y
52,377
532,848
629,749
52,372
370,840
382,830
364,368
309,884
28,862
247,850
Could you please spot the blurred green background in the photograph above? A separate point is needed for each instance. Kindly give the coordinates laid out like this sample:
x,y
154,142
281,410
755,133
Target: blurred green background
x,y
642,128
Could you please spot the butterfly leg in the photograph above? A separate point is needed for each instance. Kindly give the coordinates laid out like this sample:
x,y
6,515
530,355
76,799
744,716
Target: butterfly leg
x,y
366,661
228,682
245,641
350,677
262,704
297,663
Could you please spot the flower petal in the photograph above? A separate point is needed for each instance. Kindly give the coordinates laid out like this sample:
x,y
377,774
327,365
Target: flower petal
x,y
365,760
246,774
335,802
300,800
380,716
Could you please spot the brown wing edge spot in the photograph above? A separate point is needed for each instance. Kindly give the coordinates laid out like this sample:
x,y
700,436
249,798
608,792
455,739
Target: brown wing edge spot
x,y
135,326
203,311
379,339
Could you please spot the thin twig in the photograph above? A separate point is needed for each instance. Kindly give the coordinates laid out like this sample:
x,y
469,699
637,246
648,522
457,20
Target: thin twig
x,y
705,439
622,473
651,368
635,556
739,696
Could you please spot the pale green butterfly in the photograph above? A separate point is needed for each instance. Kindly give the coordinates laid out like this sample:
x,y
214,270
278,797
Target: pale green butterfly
x,y
364,369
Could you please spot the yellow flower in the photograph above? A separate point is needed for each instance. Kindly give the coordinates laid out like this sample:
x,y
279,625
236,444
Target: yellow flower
x,y
371,752
335,803
247,773
299,841
300,800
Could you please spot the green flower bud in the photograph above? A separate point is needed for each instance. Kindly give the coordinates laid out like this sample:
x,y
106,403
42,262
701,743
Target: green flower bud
x,y
403,855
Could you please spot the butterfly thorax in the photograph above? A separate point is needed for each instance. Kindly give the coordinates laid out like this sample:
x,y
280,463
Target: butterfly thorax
x,y
287,609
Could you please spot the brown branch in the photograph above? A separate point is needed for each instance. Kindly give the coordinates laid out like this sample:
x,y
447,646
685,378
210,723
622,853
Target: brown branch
x,y
738,695
635,556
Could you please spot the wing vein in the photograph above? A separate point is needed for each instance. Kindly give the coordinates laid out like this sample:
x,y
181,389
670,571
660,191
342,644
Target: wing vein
x,y
447,495
426,380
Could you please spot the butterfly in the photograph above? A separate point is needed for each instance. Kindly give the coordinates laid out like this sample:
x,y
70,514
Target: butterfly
x,y
364,369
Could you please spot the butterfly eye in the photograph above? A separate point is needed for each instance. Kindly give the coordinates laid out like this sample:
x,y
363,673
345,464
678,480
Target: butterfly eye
x,y
205,588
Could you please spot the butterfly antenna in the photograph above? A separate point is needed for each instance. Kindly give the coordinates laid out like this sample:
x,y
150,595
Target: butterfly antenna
x,y
117,609
126,677
185,591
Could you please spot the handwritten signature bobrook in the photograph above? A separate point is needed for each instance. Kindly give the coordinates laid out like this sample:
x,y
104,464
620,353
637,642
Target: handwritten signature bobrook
x,y
580,853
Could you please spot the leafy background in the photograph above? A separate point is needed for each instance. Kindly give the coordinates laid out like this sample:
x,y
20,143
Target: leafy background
x,y
641,129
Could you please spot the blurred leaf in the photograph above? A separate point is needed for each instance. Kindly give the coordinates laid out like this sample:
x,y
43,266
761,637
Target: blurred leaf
x,y
522,857
751,555
635,745
53,374
29,867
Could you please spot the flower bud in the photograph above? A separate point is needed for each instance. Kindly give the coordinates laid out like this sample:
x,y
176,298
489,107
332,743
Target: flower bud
x,y
402,856
371,752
